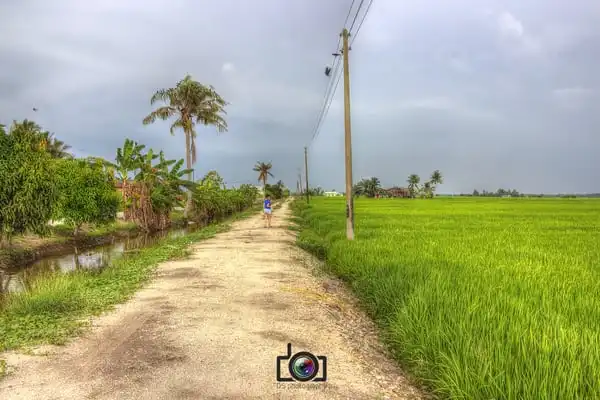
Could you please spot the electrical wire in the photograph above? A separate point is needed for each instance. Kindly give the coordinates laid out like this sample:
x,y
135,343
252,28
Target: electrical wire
x,y
335,65
356,15
328,105
336,69
334,82
355,35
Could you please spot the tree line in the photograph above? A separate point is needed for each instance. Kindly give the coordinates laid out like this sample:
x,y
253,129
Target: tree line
x,y
371,187
40,181
515,193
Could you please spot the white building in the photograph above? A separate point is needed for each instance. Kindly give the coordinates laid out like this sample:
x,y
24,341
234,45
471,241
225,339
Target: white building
x,y
332,194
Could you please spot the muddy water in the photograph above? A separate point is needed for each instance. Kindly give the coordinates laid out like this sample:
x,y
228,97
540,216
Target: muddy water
x,y
19,279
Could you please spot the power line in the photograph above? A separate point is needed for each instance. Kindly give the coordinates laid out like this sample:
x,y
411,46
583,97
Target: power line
x,y
333,83
326,109
335,65
348,16
355,15
361,22
327,98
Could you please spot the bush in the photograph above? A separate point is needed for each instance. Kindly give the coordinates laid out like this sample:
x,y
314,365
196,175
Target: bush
x,y
86,193
213,202
26,180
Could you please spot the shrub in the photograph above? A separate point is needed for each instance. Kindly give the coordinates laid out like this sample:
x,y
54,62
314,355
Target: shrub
x,y
86,193
27,189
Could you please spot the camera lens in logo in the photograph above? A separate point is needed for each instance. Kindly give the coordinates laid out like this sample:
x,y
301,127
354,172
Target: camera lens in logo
x,y
304,366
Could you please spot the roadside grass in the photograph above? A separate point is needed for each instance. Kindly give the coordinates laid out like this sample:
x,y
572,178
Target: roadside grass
x,y
58,306
477,298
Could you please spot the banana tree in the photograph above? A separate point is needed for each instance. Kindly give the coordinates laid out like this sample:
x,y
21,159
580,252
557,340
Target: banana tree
x,y
127,161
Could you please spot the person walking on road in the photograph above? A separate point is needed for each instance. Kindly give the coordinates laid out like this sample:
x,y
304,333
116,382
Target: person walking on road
x,y
268,211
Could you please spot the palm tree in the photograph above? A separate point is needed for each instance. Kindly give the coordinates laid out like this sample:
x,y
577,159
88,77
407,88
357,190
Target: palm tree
x,y
190,102
369,187
427,189
57,148
436,177
413,184
264,171
128,160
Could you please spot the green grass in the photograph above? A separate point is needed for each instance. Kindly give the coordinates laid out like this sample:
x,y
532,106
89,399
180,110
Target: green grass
x,y
55,307
477,298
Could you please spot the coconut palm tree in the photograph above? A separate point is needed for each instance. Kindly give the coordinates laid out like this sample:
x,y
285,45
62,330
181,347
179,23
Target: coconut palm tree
x,y
427,190
369,187
413,184
436,177
190,103
264,171
57,148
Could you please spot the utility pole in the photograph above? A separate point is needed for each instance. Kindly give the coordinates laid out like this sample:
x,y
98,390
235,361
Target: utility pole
x,y
348,136
299,182
306,174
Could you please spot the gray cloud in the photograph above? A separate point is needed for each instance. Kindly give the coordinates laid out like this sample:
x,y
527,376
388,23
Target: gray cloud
x,y
492,93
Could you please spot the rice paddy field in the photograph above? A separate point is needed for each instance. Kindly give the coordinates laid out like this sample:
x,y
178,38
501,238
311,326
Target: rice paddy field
x,y
477,298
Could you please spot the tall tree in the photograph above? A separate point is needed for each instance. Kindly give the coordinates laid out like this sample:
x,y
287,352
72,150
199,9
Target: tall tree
x,y
436,179
86,193
127,161
56,148
413,184
264,171
427,189
27,189
190,103
369,187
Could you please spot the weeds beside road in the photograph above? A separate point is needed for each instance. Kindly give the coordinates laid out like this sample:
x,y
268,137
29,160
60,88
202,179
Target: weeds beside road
x,y
56,307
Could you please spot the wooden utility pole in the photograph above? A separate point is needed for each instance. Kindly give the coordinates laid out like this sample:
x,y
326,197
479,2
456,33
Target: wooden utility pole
x,y
348,137
306,174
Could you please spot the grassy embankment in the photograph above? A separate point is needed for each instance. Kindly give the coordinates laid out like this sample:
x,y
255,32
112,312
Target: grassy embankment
x,y
478,298
28,248
56,306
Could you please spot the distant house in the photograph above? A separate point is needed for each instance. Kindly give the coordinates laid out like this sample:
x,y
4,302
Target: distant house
x,y
397,192
332,194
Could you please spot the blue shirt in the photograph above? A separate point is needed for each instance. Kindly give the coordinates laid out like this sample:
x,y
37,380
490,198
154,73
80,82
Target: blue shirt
x,y
267,204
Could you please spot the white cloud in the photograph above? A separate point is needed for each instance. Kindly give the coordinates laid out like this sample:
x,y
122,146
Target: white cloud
x,y
431,103
228,67
572,97
459,65
515,37
509,25
443,104
572,92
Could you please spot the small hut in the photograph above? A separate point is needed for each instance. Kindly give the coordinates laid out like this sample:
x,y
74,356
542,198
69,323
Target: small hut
x,y
398,192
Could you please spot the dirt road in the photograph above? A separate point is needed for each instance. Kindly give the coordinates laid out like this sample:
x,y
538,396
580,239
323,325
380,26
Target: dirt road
x,y
211,327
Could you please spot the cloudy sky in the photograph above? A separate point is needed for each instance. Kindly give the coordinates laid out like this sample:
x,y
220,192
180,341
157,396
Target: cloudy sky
x,y
492,93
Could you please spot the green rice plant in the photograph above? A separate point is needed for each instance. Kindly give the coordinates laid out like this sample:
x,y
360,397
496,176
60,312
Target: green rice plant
x,y
478,298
